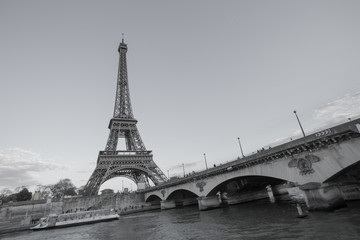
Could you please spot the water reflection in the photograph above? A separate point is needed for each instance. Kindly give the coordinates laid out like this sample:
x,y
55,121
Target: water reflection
x,y
256,220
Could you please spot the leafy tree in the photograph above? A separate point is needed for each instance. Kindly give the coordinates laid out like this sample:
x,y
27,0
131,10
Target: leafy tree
x,y
18,189
12,198
24,195
63,188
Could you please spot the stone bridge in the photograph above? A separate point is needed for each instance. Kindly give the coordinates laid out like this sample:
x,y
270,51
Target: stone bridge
x,y
326,157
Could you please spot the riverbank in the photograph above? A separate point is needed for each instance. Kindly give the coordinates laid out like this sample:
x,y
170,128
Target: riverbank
x,y
9,227
138,210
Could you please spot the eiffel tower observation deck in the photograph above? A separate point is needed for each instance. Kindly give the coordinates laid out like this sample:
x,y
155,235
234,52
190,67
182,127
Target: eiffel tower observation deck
x,y
135,162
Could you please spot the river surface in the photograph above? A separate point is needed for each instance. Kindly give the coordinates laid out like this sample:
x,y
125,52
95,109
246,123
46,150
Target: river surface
x,y
256,220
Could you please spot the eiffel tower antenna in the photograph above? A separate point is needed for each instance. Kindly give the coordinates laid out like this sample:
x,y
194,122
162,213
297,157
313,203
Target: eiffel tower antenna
x,y
134,162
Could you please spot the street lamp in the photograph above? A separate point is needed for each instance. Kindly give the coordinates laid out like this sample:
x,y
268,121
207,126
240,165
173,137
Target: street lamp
x,y
183,169
168,174
240,147
205,162
299,123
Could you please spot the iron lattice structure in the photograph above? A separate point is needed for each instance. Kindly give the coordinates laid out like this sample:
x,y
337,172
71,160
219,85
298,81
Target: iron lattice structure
x,y
135,163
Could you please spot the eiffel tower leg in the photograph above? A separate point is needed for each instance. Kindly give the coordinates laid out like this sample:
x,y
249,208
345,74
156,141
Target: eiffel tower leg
x,y
112,140
93,185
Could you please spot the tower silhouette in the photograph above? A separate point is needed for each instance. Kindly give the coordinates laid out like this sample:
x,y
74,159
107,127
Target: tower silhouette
x,y
134,162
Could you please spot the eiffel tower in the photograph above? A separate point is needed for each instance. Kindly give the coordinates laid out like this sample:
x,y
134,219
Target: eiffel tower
x,y
135,163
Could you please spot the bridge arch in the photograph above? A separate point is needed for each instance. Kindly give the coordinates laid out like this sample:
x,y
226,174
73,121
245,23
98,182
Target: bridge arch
x,y
181,194
350,173
256,174
183,197
154,199
245,183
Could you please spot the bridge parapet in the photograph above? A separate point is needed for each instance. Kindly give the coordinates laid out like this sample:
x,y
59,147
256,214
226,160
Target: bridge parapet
x,y
310,143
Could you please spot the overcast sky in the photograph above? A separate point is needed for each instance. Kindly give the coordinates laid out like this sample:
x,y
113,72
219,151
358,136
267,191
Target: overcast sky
x,y
201,74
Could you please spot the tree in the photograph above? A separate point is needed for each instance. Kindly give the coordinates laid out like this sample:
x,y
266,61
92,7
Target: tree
x,y
44,190
18,189
24,195
4,195
5,192
63,188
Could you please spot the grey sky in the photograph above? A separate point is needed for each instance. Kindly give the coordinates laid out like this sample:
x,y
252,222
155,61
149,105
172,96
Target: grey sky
x,y
201,74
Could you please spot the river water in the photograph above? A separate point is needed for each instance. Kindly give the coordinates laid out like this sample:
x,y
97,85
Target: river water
x,y
255,220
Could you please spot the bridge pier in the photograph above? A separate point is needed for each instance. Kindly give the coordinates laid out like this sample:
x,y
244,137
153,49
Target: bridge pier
x,y
323,196
206,203
270,193
189,202
167,204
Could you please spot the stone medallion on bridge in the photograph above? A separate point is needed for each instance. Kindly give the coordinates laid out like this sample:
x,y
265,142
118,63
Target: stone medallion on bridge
x,y
163,192
304,164
201,185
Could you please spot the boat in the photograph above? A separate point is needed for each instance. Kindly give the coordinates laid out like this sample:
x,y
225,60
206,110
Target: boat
x,y
76,218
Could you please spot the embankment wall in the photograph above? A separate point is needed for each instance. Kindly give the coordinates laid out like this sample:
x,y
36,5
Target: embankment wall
x,y
37,209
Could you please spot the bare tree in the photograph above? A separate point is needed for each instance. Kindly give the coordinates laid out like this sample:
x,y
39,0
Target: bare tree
x,y
44,190
4,193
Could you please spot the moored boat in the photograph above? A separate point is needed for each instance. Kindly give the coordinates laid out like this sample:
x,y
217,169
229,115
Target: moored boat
x,y
77,218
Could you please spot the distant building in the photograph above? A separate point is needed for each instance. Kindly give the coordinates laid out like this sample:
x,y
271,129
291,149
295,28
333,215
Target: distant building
x,y
36,196
107,191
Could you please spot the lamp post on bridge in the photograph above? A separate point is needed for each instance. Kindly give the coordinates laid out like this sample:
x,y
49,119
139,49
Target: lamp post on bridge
x,y
299,123
241,148
205,162
183,169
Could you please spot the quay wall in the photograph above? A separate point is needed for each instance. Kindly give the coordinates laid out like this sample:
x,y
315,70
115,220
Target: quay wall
x,y
108,201
36,209
17,211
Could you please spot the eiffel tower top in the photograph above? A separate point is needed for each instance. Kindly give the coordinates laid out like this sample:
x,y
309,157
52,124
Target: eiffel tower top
x,y
122,109
122,45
